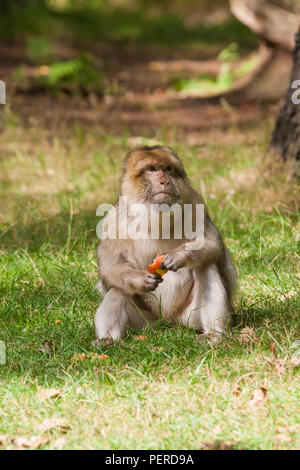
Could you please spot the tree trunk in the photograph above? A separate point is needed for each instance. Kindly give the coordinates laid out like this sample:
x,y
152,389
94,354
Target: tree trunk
x,y
276,22
286,135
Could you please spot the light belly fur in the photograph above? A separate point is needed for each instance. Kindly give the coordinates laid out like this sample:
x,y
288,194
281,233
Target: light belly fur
x,y
171,295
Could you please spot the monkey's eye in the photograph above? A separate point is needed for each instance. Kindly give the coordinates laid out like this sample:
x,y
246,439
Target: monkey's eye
x,y
168,169
151,168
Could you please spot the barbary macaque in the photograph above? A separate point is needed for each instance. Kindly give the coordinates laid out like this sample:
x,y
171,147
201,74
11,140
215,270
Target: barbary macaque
x,y
196,290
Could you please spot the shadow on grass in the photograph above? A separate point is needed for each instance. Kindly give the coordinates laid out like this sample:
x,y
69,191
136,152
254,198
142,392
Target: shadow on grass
x,y
43,326
31,231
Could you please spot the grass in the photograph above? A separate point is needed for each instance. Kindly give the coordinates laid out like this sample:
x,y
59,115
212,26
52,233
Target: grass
x,y
165,389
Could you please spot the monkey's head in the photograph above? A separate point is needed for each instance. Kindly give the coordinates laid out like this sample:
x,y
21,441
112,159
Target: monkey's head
x,y
154,175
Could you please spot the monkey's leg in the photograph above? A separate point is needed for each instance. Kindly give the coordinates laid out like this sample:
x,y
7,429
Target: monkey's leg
x,y
116,313
209,310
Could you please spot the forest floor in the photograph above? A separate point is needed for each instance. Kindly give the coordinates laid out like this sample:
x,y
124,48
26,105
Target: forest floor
x,y
162,388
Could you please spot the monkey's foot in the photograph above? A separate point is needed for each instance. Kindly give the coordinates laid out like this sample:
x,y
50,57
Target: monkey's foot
x,y
211,338
99,343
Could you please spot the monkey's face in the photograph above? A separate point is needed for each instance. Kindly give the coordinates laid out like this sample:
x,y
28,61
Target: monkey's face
x,y
154,175
161,183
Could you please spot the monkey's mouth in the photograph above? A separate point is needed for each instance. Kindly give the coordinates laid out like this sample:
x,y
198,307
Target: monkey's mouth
x,y
163,196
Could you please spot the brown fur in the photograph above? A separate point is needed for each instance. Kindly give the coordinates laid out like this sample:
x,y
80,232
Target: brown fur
x,y
200,282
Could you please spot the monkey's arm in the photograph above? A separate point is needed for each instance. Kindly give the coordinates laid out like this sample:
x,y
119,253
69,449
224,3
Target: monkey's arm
x,y
116,271
188,254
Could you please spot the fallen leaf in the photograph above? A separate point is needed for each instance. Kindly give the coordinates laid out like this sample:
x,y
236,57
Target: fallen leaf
x,y
55,423
33,442
247,335
57,321
45,393
258,397
140,338
237,391
79,357
98,357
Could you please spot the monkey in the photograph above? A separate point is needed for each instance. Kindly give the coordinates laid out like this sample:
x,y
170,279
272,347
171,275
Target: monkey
x,y
200,281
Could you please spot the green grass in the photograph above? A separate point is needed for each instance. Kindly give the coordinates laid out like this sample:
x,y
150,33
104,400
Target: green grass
x,y
167,390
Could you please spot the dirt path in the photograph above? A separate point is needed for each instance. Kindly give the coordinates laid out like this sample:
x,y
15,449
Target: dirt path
x,y
140,101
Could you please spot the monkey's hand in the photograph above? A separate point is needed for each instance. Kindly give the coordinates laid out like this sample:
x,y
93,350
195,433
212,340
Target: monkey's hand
x,y
143,281
173,260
